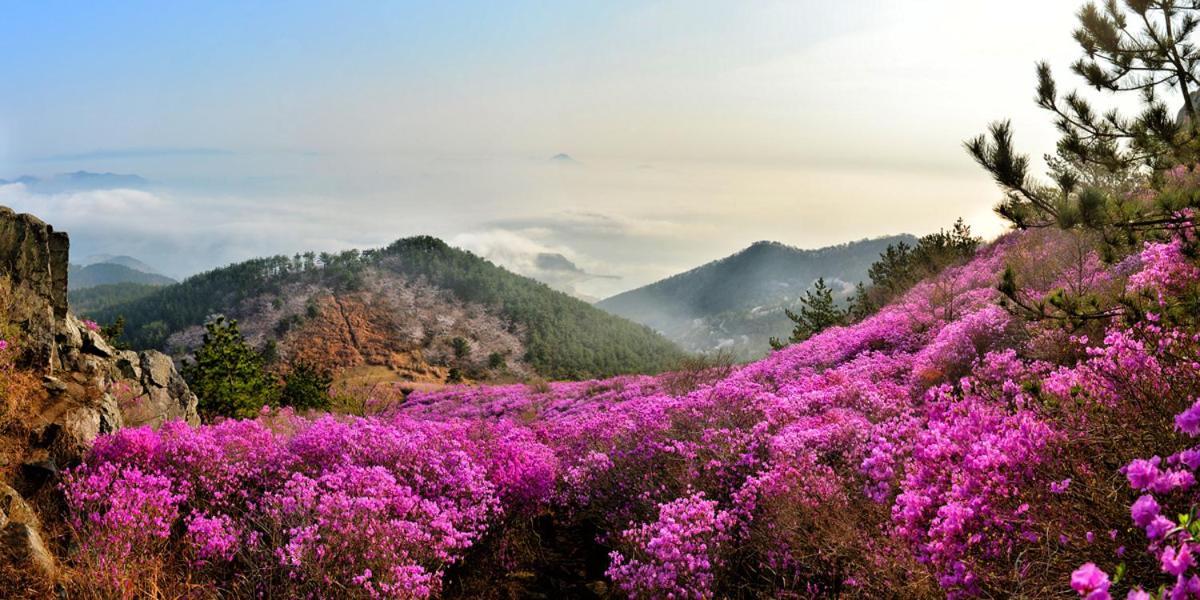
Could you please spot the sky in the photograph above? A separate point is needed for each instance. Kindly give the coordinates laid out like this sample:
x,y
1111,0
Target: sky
x,y
695,127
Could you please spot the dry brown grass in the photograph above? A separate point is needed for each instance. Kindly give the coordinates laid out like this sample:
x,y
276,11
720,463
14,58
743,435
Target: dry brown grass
x,y
537,385
151,580
21,392
20,584
697,371
368,399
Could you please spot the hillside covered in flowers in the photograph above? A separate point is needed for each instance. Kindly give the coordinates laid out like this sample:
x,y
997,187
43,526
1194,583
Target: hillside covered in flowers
x,y
1016,416
957,443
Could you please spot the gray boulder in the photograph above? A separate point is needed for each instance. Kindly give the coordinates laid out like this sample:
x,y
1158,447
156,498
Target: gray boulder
x,y
20,535
21,545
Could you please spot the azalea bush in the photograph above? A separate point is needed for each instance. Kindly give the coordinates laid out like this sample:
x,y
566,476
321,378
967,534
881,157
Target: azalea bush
x,y
328,506
952,444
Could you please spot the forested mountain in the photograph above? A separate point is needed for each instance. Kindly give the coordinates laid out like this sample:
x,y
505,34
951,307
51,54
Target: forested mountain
x,y
89,300
105,273
737,303
120,259
401,305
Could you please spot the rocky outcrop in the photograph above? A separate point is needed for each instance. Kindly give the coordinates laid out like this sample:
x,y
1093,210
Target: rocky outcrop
x,y
96,389
92,388
34,258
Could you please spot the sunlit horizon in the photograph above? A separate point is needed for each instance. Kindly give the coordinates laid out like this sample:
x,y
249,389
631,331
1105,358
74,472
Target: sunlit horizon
x,y
694,130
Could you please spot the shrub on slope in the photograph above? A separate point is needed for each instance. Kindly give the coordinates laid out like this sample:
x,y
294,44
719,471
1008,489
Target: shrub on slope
x,y
941,447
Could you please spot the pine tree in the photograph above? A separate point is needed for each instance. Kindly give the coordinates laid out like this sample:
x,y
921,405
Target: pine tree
x,y
901,266
306,388
461,347
496,361
227,375
1141,47
113,332
818,311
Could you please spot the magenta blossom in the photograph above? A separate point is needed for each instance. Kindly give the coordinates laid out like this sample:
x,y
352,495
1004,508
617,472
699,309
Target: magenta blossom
x,y
1144,510
1177,561
1188,421
1091,582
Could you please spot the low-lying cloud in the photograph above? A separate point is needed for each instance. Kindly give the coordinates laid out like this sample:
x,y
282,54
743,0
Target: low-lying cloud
x,y
179,235
592,230
557,266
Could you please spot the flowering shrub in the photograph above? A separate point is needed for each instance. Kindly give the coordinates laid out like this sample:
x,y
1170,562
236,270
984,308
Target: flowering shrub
x,y
1166,511
1164,269
962,500
676,554
943,446
959,344
379,506
126,512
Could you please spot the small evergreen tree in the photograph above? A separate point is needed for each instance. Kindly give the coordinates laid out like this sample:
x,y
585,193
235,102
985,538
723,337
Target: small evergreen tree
x,y
306,388
496,361
901,266
461,347
818,311
227,375
113,332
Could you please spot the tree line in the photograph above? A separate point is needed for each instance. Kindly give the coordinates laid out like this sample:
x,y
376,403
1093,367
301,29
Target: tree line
x,y
566,338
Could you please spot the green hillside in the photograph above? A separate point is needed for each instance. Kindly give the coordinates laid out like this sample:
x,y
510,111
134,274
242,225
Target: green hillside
x,y
566,338
737,303
92,299
109,273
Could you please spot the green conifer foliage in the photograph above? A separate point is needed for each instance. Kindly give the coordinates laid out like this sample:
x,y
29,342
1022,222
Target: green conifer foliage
x,y
818,311
306,388
228,375
1103,158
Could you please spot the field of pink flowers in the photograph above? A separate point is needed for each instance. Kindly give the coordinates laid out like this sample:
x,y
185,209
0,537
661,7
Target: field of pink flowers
x,y
948,446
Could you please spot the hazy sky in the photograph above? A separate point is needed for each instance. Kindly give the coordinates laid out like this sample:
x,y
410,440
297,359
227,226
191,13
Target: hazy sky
x,y
699,127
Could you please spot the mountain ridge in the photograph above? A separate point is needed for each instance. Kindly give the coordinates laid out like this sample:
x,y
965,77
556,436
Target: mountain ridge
x,y
83,277
737,302
120,259
561,336
78,181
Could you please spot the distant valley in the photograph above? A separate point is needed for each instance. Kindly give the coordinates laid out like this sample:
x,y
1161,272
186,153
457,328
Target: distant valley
x,y
379,315
108,273
102,280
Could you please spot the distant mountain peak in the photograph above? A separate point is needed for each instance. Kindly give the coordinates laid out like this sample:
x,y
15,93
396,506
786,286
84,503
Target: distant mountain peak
x,y
107,273
739,299
79,181
765,245
123,260
564,158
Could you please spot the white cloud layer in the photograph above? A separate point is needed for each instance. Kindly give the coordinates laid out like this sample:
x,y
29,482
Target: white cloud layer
x,y
699,128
